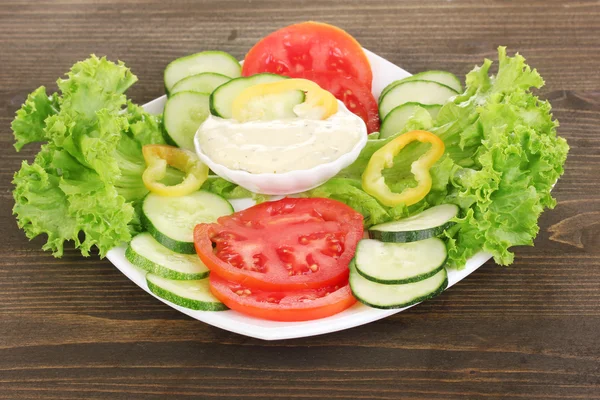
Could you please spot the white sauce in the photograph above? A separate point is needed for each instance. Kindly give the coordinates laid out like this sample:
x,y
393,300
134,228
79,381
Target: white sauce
x,y
280,146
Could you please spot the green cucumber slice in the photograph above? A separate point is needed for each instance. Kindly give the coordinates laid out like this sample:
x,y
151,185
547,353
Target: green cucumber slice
x,y
443,77
429,223
193,294
396,119
222,98
205,82
184,112
395,263
171,220
206,61
145,252
273,106
379,295
424,92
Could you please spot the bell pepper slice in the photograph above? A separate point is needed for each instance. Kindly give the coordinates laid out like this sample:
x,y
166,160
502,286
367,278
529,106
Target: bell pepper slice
x,y
373,181
317,101
158,157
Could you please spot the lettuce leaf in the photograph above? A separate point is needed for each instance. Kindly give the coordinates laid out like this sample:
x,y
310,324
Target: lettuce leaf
x,y
85,185
502,158
29,124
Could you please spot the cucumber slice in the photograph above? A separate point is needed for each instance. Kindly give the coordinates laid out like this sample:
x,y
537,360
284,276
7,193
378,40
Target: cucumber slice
x,y
273,106
443,77
145,252
184,112
396,119
424,92
171,220
205,82
394,263
206,61
379,295
429,223
194,294
222,98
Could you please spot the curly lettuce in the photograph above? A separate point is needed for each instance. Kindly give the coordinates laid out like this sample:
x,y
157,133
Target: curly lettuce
x,y
502,158
85,183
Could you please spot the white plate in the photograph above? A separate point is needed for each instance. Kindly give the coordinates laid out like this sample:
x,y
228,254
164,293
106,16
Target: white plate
x,y
384,72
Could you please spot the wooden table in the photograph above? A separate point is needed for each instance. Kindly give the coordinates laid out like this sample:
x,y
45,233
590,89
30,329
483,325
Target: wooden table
x,y
76,328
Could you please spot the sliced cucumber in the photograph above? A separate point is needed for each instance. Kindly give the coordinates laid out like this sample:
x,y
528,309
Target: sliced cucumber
x,y
184,112
194,294
429,223
396,119
222,98
171,220
207,61
394,263
379,295
205,82
145,252
424,92
273,106
443,77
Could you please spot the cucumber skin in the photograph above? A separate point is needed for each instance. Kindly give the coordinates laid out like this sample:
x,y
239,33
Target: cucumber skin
x,y
416,76
166,135
171,244
408,236
193,55
152,267
431,295
184,302
413,279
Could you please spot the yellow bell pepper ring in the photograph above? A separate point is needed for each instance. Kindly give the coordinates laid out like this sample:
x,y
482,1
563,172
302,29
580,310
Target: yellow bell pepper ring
x,y
373,181
158,157
315,98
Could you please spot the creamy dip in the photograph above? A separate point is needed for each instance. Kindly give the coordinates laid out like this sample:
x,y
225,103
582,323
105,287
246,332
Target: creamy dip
x,y
279,146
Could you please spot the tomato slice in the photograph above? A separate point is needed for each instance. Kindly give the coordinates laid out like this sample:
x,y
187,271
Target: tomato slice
x,y
309,46
300,305
354,95
289,244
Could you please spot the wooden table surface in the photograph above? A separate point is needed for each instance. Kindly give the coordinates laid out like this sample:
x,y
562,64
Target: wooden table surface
x,y
76,328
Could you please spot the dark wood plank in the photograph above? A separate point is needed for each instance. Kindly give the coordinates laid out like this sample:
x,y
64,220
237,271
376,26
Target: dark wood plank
x,y
76,328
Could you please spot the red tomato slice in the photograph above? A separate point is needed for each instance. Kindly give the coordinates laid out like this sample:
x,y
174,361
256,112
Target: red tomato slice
x,y
300,305
288,244
355,96
309,46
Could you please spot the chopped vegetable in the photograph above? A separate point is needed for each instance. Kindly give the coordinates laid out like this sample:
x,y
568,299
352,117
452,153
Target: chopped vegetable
x,y
374,182
159,157
502,158
86,181
288,244
309,46
288,305
318,103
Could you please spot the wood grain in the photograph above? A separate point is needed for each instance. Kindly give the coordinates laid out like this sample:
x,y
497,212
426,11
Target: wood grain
x,y
76,328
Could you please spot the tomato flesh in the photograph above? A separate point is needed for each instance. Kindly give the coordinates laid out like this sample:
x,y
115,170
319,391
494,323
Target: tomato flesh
x,y
357,97
300,305
289,244
309,46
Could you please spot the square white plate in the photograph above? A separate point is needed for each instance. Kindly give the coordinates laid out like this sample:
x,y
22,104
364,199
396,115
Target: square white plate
x,y
384,72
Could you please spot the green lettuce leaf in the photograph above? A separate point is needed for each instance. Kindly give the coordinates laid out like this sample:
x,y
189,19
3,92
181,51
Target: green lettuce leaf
x,y
85,185
502,158
29,123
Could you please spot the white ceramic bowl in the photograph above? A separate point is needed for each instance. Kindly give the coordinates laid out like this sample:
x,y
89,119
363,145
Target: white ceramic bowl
x,y
286,182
